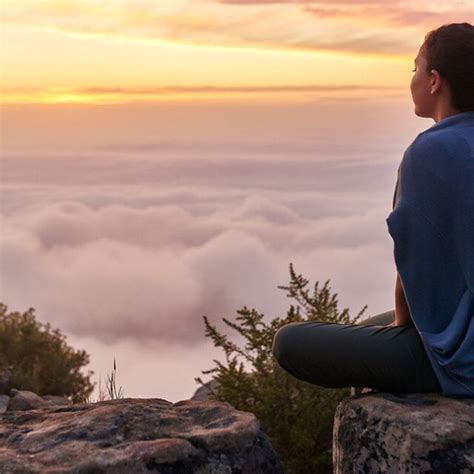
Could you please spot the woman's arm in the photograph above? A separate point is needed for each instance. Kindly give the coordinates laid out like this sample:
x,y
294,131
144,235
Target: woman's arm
x,y
402,312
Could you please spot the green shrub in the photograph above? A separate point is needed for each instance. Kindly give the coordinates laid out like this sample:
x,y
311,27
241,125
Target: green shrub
x,y
40,359
296,415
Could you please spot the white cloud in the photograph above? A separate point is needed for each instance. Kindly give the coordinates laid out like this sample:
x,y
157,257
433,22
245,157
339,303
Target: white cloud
x,y
117,271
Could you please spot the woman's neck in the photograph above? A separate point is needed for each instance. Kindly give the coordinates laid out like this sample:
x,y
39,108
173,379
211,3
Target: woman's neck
x,y
443,110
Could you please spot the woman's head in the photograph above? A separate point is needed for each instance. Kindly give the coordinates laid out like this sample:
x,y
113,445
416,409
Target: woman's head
x,y
444,72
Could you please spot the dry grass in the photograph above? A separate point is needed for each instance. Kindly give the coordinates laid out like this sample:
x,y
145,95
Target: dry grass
x,y
110,392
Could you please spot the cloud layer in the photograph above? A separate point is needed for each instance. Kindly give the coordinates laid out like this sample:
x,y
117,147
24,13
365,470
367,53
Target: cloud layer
x,y
118,270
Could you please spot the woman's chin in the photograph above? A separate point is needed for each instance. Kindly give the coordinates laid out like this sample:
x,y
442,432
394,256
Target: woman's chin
x,y
421,113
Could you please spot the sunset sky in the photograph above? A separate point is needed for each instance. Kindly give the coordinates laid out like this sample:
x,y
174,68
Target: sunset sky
x,y
70,51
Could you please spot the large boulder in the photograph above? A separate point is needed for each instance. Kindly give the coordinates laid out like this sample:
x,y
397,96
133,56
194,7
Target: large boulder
x,y
382,432
25,400
136,435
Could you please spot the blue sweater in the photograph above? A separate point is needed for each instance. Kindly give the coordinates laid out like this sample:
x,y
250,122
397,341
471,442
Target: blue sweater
x,y
432,226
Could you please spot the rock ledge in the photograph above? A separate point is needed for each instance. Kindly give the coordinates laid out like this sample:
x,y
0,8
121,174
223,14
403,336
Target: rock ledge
x,y
383,432
135,435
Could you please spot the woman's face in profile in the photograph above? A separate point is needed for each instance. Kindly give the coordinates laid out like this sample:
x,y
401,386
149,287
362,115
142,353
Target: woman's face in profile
x,y
420,86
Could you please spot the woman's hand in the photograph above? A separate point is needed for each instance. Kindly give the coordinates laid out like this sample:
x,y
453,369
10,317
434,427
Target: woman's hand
x,y
402,311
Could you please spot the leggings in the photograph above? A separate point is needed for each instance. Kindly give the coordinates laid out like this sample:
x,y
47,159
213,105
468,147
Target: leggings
x,y
366,355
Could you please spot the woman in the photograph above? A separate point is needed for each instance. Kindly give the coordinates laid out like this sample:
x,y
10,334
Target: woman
x,y
426,344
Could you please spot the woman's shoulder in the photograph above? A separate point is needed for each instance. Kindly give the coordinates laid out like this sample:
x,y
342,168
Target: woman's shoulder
x,y
453,136
446,152
449,140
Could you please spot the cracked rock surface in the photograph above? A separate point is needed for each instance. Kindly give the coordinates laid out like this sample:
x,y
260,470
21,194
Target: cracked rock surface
x,y
411,433
135,435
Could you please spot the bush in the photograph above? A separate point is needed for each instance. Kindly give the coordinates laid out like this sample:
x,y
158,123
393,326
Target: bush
x,y
296,415
40,359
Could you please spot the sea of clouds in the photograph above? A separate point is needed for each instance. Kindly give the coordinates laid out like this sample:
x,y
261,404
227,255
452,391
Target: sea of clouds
x,y
126,241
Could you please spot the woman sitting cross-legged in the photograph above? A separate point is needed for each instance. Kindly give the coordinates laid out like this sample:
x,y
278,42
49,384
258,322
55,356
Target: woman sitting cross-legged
x,y
426,344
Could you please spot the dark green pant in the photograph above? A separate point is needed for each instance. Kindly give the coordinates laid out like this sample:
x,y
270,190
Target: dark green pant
x,y
367,354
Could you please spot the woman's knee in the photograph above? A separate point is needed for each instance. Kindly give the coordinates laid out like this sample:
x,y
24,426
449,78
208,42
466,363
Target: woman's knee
x,y
292,339
283,341
299,349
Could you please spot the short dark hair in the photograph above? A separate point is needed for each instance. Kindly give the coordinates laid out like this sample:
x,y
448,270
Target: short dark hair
x,y
450,50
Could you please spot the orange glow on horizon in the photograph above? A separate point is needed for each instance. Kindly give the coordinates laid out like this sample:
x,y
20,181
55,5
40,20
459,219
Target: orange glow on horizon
x,y
52,52
77,97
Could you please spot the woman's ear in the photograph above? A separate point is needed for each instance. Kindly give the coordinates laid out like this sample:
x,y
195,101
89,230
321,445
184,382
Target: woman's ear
x,y
436,81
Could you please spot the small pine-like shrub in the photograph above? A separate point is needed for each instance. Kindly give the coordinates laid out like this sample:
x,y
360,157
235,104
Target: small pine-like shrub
x,y
296,415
